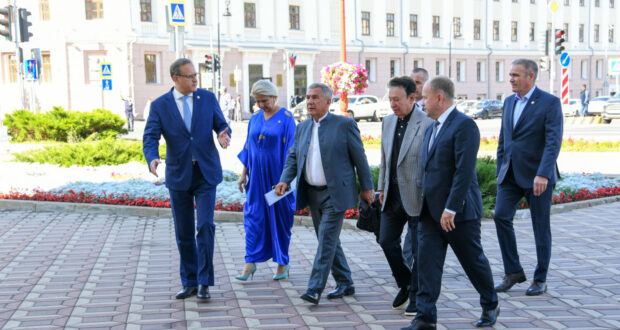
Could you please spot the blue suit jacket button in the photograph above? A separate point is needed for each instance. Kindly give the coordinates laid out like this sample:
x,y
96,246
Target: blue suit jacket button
x,y
191,138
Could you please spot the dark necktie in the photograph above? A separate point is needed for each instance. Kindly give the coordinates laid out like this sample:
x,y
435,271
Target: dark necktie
x,y
433,134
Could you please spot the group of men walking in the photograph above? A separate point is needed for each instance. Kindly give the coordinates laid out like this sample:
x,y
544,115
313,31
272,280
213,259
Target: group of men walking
x,y
427,180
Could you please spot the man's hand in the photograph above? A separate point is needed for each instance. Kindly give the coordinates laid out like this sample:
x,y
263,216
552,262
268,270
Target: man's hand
x,y
281,188
368,195
540,185
223,138
153,166
447,221
381,197
242,183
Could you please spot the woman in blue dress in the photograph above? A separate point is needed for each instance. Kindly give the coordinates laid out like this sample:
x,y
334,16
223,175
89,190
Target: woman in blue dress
x,y
267,228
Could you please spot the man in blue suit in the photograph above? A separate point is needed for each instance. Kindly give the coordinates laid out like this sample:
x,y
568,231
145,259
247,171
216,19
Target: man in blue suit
x,y
529,144
185,116
451,206
327,153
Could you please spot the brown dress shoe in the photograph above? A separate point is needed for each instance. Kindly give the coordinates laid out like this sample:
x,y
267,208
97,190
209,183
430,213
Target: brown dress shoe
x,y
509,281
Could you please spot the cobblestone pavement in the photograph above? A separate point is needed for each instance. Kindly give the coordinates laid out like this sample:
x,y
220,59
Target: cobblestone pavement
x,y
80,270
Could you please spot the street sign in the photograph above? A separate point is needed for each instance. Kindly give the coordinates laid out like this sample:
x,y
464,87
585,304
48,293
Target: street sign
x,y
177,13
30,70
106,84
106,70
614,66
565,59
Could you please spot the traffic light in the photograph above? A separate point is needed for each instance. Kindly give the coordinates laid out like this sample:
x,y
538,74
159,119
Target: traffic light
x,y
559,41
216,63
543,63
24,25
209,62
5,22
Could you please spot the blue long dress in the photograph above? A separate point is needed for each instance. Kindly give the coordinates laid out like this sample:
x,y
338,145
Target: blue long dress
x,y
267,228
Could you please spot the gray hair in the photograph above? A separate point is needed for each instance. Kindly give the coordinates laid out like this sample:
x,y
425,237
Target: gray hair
x,y
442,85
264,87
529,65
327,92
175,67
423,70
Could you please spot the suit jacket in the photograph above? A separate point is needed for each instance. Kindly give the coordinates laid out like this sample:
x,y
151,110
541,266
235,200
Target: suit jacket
x,y
165,119
409,162
533,145
450,180
342,155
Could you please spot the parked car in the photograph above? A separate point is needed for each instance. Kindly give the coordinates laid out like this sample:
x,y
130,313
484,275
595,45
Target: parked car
x,y
489,109
572,108
468,107
300,112
595,107
363,107
611,110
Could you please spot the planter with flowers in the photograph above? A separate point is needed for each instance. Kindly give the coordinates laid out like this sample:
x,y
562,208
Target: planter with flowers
x,y
345,79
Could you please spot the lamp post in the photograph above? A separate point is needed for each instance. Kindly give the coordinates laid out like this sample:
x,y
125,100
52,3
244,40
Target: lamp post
x,y
218,66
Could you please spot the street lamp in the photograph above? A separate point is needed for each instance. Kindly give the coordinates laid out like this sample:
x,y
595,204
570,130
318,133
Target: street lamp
x,y
226,14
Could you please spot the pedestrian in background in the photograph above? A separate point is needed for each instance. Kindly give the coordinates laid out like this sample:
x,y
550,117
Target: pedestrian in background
x,y
129,113
585,100
227,104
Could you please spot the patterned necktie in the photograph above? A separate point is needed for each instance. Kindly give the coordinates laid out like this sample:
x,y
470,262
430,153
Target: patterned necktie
x,y
433,134
187,114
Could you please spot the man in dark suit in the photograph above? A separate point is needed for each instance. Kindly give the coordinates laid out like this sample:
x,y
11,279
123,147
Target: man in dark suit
x,y
185,116
529,144
451,206
327,153
400,185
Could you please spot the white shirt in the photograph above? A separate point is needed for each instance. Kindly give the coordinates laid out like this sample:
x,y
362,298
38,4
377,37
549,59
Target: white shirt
x,y
178,98
315,176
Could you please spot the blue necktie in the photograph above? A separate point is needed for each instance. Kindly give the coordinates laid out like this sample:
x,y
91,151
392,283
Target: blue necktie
x,y
433,135
187,114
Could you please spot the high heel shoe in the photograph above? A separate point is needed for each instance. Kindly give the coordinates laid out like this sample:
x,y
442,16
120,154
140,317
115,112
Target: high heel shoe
x,y
284,273
245,277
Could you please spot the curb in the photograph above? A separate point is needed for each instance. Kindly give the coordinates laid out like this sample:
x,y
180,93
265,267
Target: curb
x,y
578,120
225,216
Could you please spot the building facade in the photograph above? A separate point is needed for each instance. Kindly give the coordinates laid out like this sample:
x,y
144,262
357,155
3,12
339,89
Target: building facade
x,y
472,41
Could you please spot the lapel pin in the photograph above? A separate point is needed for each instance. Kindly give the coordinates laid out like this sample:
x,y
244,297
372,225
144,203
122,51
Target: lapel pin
x,y
198,97
532,102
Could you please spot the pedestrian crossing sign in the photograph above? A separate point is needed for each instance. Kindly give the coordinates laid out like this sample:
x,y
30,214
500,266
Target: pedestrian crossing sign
x,y
106,84
614,66
106,70
177,13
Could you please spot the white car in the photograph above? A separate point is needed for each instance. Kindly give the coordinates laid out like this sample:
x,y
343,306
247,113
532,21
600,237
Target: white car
x,y
468,107
367,107
573,107
596,106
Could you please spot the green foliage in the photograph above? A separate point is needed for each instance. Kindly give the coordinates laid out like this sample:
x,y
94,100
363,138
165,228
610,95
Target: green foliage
x,y
485,168
63,126
89,153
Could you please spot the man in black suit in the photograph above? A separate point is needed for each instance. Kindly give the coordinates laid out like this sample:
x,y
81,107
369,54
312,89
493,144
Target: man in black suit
x,y
451,206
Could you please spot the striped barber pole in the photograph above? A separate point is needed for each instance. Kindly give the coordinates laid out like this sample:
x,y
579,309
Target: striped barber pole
x,y
564,85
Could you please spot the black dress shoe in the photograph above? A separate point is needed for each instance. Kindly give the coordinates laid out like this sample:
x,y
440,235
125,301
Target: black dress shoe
x,y
411,310
203,292
311,297
401,298
537,288
510,280
488,317
341,291
418,324
187,291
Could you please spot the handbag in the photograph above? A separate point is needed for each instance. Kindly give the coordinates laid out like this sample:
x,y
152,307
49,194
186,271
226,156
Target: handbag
x,y
370,216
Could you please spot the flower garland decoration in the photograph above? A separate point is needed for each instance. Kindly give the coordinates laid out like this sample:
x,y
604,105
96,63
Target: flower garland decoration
x,y
345,78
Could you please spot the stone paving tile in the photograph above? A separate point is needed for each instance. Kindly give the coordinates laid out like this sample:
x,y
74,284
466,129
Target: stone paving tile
x,y
98,271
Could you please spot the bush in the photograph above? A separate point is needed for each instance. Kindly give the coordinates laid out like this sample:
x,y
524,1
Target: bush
x,y
103,152
63,126
485,168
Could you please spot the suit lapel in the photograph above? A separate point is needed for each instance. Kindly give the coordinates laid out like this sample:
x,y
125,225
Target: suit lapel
x,y
528,108
427,138
174,110
196,111
412,130
388,137
444,127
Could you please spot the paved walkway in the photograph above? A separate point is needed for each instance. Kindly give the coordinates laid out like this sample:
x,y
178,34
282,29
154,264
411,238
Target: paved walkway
x,y
81,270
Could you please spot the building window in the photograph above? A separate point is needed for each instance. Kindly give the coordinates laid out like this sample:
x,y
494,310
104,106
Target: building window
x,y
150,68
460,71
513,31
439,67
94,60
371,67
456,25
496,30
612,4
94,9
480,76
476,29
581,32
499,71
599,69
145,11
249,10
566,32
413,25
46,69
436,33
389,24
394,68
582,3
532,31
44,10
418,64
597,3
596,32
584,69
199,12
12,68
293,15
611,34
533,1
365,23
567,3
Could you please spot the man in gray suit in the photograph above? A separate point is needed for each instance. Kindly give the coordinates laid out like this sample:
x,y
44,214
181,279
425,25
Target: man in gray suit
x,y
400,184
327,153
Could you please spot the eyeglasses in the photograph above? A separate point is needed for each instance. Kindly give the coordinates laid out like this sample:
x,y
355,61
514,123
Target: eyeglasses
x,y
188,76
